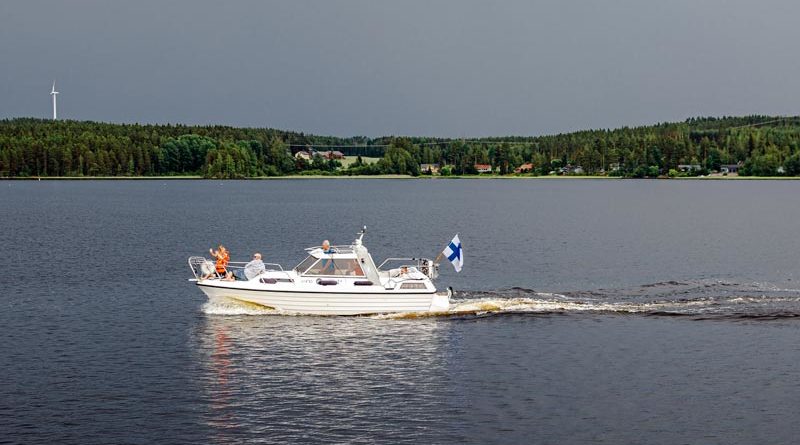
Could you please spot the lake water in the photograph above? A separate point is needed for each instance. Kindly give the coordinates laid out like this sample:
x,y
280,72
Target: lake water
x,y
588,311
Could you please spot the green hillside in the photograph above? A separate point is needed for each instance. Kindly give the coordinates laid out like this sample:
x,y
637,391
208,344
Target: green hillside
x,y
762,145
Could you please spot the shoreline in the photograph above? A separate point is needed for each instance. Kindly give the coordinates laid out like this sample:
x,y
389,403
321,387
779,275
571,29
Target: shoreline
x,y
408,177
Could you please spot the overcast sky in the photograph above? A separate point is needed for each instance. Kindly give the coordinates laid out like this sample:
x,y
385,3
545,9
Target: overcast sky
x,y
454,68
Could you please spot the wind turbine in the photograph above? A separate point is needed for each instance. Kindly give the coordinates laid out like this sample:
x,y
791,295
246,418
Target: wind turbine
x,y
53,93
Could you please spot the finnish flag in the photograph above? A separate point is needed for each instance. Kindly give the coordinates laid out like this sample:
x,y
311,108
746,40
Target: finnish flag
x,y
454,253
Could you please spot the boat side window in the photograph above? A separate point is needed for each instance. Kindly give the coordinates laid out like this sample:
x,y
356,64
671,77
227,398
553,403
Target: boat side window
x,y
303,266
338,267
413,286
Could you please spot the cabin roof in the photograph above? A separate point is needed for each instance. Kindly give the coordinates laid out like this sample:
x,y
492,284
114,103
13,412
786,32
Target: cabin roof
x,y
342,252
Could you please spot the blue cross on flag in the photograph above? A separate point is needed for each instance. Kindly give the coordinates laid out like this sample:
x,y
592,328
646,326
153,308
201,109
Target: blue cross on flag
x,y
454,253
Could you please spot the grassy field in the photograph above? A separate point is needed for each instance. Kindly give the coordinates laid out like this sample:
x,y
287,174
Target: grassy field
x,y
351,159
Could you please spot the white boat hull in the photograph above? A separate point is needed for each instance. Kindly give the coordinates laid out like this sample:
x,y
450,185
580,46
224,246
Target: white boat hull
x,y
333,303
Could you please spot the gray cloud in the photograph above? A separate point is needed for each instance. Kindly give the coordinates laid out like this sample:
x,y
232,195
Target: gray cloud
x,y
445,68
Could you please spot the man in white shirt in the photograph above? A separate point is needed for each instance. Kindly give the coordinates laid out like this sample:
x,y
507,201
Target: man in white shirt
x,y
254,267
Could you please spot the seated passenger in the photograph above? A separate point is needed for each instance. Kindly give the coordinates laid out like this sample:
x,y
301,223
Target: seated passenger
x,y
402,272
415,274
254,267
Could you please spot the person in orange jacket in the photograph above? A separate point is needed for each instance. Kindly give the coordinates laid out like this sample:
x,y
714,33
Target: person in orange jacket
x,y
223,257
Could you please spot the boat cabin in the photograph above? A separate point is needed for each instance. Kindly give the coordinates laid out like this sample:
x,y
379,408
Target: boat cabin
x,y
330,264
340,262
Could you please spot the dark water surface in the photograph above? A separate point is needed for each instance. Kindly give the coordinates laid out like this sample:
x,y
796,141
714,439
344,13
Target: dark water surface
x,y
657,312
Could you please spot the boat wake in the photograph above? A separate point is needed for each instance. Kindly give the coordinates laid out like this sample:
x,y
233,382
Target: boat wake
x,y
226,306
699,300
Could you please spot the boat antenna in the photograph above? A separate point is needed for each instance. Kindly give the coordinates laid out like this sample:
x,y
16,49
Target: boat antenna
x,y
361,234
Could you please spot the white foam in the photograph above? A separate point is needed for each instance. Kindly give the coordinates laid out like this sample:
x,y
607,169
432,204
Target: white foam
x,y
232,307
484,306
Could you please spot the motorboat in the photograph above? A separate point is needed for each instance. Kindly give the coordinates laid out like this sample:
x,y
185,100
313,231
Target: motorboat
x,y
339,280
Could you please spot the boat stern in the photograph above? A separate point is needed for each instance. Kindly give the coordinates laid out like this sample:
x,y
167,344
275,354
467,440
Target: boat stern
x,y
441,301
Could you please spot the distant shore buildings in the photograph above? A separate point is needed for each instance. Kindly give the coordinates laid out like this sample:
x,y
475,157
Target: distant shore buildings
x,y
729,169
524,168
310,153
429,169
688,168
483,168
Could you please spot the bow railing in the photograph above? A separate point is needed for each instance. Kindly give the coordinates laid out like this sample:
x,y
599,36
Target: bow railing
x,y
203,267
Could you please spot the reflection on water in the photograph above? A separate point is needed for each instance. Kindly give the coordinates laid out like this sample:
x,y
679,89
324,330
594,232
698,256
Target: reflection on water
x,y
220,393
331,379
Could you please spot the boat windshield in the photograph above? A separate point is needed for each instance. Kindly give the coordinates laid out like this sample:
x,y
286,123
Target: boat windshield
x,y
341,267
305,264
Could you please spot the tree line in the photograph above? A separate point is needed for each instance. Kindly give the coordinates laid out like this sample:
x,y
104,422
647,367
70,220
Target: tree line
x,y
759,145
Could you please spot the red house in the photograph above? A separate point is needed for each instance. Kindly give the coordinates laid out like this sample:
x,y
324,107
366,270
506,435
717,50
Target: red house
x,y
524,168
483,168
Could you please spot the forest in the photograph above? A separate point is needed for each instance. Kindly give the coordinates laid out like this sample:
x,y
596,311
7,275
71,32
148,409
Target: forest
x,y
757,145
